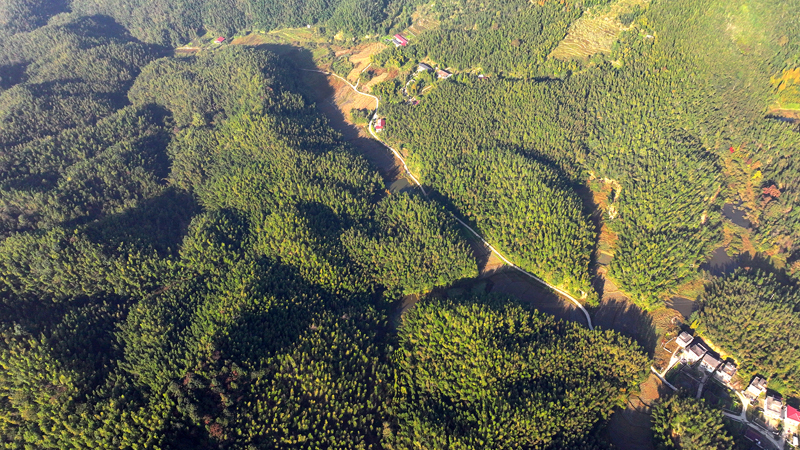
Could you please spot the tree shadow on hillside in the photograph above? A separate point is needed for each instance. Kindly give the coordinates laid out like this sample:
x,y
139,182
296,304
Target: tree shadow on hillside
x,y
628,319
315,87
159,223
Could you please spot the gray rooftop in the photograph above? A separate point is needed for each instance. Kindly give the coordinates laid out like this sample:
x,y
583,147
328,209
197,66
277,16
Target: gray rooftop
x,y
697,349
684,339
711,360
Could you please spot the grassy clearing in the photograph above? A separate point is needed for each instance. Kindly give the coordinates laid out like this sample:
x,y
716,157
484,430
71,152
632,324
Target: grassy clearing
x,y
292,36
787,92
424,19
596,31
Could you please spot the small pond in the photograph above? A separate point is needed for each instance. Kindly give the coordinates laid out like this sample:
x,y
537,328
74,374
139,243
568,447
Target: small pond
x,y
683,305
719,263
736,214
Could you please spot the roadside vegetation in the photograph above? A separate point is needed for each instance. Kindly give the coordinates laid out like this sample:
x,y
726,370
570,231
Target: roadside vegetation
x,y
685,423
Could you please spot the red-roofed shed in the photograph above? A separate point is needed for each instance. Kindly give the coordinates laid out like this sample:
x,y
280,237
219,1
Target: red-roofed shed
x,y
380,124
401,39
219,40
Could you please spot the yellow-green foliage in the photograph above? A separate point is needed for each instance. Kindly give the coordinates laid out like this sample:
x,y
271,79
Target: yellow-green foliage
x,y
486,372
788,88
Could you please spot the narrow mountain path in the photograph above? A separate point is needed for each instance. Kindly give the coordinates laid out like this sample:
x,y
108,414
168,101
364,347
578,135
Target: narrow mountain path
x,y
416,181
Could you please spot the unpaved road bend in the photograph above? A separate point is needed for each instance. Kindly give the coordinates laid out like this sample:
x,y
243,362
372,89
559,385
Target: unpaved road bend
x,y
414,179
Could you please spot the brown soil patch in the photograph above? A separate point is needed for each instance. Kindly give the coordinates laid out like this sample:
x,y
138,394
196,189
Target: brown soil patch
x,y
362,57
347,99
629,429
334,98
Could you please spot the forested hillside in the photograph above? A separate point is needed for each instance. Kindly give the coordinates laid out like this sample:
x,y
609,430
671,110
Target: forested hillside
x,y
163,267
753,316
685,423
511,37
664,119
476,372
193,257
203,262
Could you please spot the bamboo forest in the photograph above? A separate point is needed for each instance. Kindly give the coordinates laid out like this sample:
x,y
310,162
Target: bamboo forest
x,y
400,224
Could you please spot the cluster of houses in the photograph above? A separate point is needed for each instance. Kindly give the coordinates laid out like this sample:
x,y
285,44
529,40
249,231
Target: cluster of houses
x,y
696,351
400,41
774,408
440,73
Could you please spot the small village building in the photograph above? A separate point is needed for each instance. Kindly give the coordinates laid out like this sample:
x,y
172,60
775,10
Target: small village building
x,y
443,74
757,387
219,40
400,40
709,363
773,407
684,339
792,418
726,372
424,68
694,353
380,124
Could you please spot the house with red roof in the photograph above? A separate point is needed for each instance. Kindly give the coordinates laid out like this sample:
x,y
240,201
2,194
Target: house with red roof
x,y
400,40
380,124
792,419
219,40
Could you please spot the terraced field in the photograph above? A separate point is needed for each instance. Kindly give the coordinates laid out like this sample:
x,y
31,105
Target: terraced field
x,y
596,31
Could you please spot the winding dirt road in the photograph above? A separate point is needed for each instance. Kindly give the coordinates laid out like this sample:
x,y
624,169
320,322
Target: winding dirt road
x,y
416,181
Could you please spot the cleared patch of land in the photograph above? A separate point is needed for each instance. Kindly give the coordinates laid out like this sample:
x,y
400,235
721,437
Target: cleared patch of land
x,y
361,58
335,99
424,19
629,429
295,36
596,31
186,50
309,50
787,95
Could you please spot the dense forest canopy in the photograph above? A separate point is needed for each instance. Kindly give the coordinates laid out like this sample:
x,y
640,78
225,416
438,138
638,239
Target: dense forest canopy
x,y
192,257
475,372
753,316
207,240
685,423
655,118
167,22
